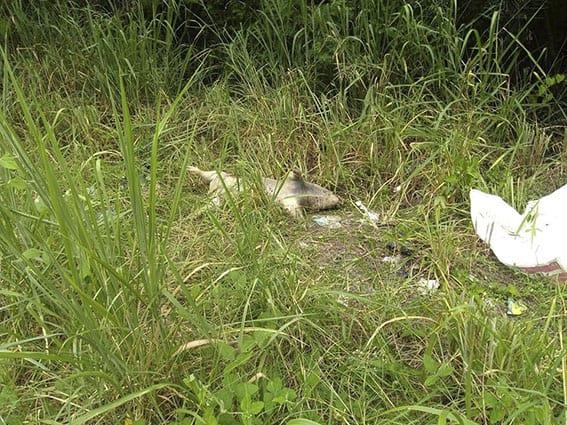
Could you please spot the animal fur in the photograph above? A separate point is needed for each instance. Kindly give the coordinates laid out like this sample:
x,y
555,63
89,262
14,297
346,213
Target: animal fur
x,y
293,193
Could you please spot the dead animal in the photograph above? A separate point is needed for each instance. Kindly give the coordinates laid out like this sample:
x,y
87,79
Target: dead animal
x,y
293,193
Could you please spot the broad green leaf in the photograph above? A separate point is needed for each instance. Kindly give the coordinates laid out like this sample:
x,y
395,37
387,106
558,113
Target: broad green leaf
x,y
227,352
7,161
445,370
32,254
256,407
430,364
209,417
225,398
18,183
302,421
244,389
40,205
432,380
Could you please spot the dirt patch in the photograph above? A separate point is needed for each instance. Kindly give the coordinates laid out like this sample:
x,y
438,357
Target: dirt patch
x,y
346,253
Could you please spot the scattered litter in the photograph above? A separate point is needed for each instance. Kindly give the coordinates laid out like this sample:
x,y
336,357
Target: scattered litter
x,y
216,201
373,216
92,191
427,286
516,308
329,221
533,241
392,259
398,188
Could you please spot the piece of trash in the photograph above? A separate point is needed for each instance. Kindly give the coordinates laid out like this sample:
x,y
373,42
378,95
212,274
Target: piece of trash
x,y
398,188
533,241
373,216
516,308
216,201
92,191
330,221
427,286
392,259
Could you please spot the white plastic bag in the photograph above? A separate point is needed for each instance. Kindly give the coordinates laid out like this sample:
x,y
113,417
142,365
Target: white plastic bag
x,y
535,241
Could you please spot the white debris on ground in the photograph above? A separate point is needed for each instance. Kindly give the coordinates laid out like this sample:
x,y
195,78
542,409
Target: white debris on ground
x,y
533,241
373,216
216,201
392,259
427,286
329,221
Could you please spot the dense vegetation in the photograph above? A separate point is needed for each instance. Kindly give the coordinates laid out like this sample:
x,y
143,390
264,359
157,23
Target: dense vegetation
x,y
125,298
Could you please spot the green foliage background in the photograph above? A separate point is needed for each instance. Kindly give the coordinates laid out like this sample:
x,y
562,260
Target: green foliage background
x,y
125,298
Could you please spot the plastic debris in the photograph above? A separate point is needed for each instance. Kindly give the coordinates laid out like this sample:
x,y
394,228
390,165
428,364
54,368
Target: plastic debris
x,y
533,241
329,221
427,286
516,308
216,201
92,191
392,259
373,216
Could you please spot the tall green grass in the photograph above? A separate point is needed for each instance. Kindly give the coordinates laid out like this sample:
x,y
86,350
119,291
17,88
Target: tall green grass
x,y
125,297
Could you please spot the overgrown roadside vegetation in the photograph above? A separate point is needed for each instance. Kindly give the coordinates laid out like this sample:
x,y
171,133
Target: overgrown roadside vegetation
x,y
125,298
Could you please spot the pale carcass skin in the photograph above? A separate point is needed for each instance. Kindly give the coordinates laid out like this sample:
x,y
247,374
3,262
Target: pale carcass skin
x,y
293,193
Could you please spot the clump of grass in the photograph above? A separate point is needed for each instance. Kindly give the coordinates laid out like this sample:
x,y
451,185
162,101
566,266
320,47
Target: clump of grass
x,y
125,297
